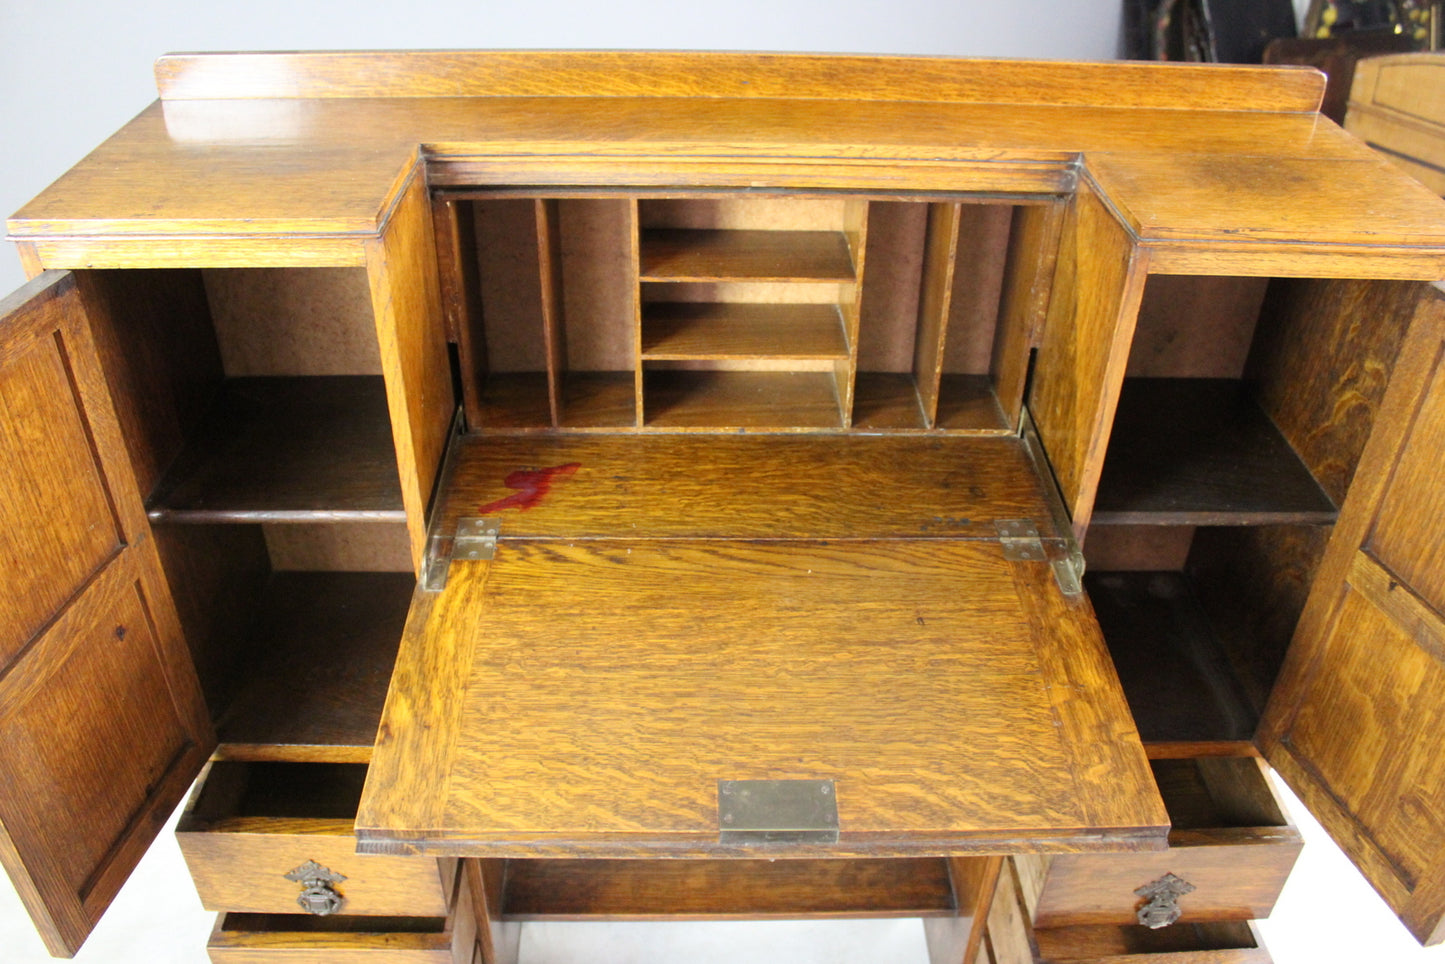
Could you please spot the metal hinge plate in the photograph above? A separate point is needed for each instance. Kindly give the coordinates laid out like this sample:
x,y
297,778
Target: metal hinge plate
x,y
1020,540
475,538
777,811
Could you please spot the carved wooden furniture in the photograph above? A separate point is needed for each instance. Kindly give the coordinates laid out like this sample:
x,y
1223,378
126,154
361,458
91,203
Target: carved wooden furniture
x,y
577,486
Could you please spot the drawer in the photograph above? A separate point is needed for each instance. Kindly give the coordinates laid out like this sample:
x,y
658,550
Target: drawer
x,y
249,825
1230,840
286,938
1011,939
1218,942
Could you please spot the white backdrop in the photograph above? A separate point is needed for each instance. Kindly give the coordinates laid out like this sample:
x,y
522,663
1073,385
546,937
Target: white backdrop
x,y
72,71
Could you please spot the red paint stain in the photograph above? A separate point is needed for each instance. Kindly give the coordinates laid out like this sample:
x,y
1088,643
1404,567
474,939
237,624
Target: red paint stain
x,y
532,486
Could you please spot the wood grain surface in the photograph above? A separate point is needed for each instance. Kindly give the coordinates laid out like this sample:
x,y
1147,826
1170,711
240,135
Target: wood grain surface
x,y
727,889
1229,839
247,826
1351,723
767,75
1200,451
297,939
600,708
402,268
757,487
102,722
284,449
1098,284
322,646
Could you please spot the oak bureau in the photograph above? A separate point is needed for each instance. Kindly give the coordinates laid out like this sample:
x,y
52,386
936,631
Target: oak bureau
x,y
540,485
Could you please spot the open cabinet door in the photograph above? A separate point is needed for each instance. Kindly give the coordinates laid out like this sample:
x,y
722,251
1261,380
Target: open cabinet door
x,y
102,725
1356,724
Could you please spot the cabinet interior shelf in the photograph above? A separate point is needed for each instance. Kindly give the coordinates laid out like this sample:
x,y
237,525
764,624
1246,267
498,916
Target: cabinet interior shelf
x,y
1200,451
777,401
683,331
287,449
324,645
723,889
1176,676
689,254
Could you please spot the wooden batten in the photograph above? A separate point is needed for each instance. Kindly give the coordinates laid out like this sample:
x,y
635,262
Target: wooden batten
x,y
746,75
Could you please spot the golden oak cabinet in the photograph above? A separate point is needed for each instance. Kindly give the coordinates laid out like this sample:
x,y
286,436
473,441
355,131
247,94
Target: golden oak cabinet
x,y
538,485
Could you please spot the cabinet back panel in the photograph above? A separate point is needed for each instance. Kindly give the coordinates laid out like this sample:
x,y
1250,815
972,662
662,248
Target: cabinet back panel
x,y
977,286
1195,326
744,214
339,547
1252,582
511,285
597,287
891,291
280,321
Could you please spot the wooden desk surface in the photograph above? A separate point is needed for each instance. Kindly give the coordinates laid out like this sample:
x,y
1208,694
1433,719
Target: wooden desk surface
x,y
299,158
584,695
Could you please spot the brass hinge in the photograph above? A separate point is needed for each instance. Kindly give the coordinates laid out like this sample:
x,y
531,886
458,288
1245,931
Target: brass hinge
x,y
474,538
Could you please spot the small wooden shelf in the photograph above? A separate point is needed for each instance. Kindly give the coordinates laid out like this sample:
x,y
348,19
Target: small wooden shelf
x,y
722,400
887,401
324,645
1176,677
287,449
1199,451
599,400
685,331
726,889
968,403
700,255
513,400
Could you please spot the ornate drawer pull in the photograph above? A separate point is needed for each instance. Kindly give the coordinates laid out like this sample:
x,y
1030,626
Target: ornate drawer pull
x,y
317,895
1161,900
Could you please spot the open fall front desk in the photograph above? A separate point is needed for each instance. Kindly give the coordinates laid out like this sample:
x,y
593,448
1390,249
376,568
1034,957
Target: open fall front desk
x,y
683,610
607,485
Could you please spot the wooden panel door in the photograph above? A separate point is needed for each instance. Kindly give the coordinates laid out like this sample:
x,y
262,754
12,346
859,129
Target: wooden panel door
x,y
102,726
1357,721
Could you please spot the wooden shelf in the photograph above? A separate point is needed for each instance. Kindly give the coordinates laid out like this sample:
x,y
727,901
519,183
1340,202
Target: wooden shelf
x,y
324,645
967,403
1176,677
1201,452
294,449
726,889
886,401
681,331
697,255
741,400
599,400
513,400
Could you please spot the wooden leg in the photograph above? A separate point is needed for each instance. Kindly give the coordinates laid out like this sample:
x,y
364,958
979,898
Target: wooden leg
x,y
958,939
498,942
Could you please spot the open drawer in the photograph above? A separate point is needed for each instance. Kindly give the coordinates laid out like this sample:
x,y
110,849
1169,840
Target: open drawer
x,y
257,836
1231,843
1013,939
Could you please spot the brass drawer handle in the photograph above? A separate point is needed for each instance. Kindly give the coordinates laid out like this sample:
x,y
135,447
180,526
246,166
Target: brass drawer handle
x,y
1161,900
318,896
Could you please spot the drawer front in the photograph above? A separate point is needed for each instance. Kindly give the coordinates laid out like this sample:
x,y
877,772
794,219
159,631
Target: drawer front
x,y
1225,942
288,939
256,836
1231,843
1012,939
248,872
